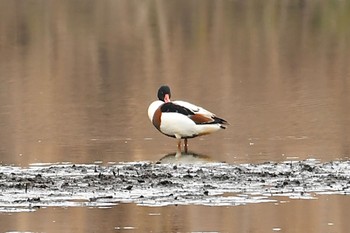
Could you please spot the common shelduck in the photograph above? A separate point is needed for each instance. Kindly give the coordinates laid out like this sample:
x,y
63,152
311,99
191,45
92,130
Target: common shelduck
x,y
180,119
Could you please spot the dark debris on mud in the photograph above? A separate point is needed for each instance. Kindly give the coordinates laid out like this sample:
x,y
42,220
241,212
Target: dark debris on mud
x,y
155,184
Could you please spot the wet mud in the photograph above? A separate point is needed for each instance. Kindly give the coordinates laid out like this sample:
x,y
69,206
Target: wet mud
x,y
174,180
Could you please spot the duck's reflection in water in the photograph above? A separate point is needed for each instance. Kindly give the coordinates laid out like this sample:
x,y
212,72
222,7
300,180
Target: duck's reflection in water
x,y
186,158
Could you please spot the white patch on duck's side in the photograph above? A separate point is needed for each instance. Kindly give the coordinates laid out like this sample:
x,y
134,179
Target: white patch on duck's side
x,y
181,126
177,124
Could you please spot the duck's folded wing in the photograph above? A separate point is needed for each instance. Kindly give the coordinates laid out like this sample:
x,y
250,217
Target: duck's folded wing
x,y
193,108
200,115
171,107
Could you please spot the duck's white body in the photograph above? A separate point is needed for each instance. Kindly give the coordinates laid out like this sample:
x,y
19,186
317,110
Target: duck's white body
x,y
182,120
180,126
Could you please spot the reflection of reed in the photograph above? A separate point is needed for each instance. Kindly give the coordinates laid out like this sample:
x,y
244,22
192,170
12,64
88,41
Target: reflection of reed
x,y
186,158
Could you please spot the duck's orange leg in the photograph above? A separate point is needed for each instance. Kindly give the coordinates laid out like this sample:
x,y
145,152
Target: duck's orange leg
x,y
185,145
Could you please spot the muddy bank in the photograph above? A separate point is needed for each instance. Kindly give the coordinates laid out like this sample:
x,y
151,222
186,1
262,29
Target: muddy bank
x,y
157,184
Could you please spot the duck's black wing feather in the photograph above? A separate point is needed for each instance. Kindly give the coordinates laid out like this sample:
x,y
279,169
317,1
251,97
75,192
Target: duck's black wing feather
x,y
171,107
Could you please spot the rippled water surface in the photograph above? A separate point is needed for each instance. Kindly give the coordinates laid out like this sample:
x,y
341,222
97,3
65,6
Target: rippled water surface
x,y
76,79
295,216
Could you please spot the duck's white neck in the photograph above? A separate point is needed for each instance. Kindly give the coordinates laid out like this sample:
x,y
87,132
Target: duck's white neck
x,y
153,107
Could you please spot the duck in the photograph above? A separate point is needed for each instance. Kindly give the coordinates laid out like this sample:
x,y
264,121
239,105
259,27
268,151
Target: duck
x,y
182,120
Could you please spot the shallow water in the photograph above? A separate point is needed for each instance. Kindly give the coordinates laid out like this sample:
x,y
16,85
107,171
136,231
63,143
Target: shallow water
x,y
77,78
327,214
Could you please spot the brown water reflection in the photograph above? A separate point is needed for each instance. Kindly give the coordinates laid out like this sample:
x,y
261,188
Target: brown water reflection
x,y
186,158
328,214
76,78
